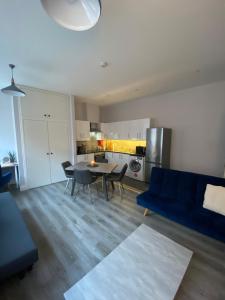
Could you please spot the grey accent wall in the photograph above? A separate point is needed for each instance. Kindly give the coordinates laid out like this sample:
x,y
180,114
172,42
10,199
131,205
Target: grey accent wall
x,y
197,117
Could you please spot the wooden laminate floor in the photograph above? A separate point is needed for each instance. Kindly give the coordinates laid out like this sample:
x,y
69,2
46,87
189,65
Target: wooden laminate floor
x,y
74,235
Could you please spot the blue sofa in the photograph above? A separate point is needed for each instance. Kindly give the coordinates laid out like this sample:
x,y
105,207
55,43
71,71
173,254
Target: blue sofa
x,y
4,178
179,196
17,250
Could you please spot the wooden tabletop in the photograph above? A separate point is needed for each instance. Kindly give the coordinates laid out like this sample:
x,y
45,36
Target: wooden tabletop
x,y
104,168
9,165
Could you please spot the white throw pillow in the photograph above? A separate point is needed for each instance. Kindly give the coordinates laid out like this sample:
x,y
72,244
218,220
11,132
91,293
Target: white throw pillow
x,y
215,199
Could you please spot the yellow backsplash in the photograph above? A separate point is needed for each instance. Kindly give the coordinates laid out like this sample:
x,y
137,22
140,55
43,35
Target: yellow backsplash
x,y
125,146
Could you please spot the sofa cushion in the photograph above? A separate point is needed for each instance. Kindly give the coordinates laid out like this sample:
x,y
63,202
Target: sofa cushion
x,y
186,189
202,182
17,249
156,181
214,199
169,185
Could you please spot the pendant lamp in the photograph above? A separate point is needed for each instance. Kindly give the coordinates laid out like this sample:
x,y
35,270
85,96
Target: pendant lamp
x,y
12,89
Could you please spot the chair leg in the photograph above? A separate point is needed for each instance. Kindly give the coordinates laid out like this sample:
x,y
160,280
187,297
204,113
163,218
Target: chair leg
x,y
67,184
97,188
90,195
113,187
78,190
121,190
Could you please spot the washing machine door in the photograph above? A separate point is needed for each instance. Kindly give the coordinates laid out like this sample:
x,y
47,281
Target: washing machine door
x,y
135,166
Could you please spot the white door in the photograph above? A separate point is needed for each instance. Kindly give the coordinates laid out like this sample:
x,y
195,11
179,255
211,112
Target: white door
x,y
37,153
59,148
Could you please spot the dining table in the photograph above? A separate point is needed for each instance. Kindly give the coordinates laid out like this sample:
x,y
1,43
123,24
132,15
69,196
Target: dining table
x,y
100,168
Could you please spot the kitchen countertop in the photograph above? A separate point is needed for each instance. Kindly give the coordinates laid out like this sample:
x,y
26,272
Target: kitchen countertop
x,y
103,151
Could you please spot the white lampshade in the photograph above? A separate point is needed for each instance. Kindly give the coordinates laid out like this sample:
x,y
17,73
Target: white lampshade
x,y
74,14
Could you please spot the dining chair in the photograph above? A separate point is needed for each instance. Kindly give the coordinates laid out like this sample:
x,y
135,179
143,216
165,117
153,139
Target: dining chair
x,y
101,159
69,174
117,177
85,178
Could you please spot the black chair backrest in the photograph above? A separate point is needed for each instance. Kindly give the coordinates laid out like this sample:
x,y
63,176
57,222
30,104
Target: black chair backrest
x,y
123,172
83,176
101,159
65,165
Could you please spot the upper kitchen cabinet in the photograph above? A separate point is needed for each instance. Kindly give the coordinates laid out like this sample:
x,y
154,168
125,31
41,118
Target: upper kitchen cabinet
x,y
143,124
105,130
126,130
82,130
137,129
43,105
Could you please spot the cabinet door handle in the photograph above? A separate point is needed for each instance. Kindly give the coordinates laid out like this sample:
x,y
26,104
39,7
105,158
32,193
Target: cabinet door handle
x,y
47,153
51,153
49,116
45,115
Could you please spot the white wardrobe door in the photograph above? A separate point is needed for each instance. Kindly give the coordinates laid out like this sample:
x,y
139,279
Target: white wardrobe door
x,y
59,148
36,151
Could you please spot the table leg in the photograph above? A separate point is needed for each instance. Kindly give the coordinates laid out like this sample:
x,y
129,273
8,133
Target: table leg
x,y
17,176
105,188
73,187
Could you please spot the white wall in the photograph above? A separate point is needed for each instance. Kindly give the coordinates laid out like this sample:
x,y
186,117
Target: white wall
x,y
197,117
7,137
87,112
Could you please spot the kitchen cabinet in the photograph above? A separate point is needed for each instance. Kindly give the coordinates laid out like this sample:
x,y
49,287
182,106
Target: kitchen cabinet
x,y
46,145
105,130
137,129
85,157
82,130
109,156
122,159
126,130
117,158
39,105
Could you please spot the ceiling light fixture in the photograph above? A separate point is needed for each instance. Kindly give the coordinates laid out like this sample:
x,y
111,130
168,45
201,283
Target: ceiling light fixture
x,y
104,64
12,89
77,15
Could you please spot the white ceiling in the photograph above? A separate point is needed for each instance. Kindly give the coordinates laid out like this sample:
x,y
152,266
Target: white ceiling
x,y
152,46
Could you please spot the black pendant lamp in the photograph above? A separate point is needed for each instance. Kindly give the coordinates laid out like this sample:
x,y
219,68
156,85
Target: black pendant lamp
x,y
12,89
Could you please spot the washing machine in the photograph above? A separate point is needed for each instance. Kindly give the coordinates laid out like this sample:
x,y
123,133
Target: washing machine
x,y
136,167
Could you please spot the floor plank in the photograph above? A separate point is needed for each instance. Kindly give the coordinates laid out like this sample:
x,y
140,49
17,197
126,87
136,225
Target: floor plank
x,y
73,235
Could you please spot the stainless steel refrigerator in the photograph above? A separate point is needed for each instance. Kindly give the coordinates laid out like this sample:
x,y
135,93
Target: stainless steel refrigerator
x,y
157,149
